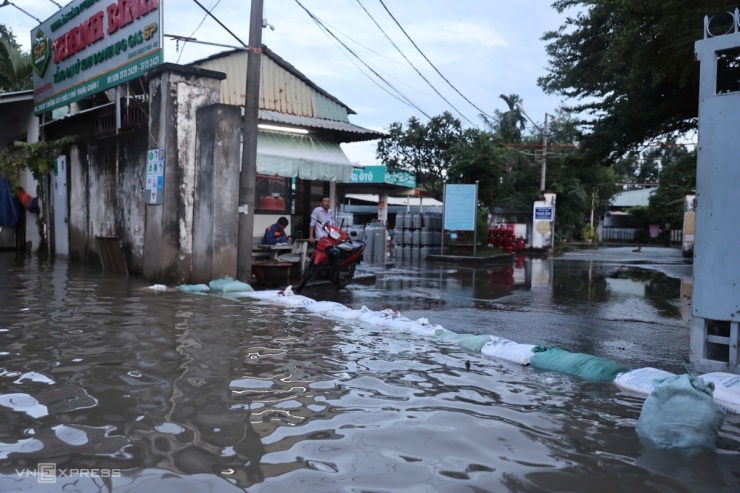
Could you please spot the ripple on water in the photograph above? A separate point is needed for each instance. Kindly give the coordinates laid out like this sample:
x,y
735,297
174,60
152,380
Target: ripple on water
x,y
208,392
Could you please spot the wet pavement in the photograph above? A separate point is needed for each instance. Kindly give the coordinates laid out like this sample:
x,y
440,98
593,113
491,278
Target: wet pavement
x,y
170,391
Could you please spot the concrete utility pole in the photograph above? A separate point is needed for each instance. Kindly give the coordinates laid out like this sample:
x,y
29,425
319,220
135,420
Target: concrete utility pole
x,y
543,172
248,175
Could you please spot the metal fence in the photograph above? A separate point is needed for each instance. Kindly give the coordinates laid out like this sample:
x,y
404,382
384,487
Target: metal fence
x,y
619,234
629,234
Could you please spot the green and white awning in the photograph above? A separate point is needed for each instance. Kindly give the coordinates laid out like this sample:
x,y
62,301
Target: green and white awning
x,y
302,156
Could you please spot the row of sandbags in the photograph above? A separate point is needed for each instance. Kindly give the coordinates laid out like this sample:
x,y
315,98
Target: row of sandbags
x,y
680,411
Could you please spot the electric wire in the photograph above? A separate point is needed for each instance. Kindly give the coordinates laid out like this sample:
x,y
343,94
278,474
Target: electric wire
x,y
221,24
377,54
196,30
411,64
429,61
318,22
370,78
354,62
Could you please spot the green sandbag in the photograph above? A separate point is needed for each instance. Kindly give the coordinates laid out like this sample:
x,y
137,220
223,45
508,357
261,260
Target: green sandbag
x,y
228,285
680,413
193,288
581,365
471,342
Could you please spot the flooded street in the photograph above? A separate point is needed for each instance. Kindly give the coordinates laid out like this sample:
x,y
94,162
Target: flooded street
x,y
172,391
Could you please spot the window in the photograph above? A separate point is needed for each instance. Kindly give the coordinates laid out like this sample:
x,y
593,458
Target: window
x,y
272,194
728,71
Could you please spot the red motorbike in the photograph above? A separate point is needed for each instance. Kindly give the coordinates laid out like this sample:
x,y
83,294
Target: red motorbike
x,y
335,258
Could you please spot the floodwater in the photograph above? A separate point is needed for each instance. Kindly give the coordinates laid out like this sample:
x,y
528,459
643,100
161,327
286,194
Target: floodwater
x,y
123,388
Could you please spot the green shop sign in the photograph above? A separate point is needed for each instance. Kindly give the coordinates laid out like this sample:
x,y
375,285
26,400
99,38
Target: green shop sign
x,y
90,46
379,174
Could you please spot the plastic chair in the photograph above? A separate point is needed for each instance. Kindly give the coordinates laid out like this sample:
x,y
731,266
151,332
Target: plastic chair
x,y
297,254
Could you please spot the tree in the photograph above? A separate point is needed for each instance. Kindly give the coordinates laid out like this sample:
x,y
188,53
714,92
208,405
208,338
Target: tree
x,y
424,150
677,178
583,185
511,123
631,67
16,67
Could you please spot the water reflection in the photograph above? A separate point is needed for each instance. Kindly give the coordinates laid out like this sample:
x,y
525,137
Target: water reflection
x,y
182,392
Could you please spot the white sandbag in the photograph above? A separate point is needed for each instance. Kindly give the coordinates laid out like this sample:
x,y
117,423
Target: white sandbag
x,y
295,300
640,381
347,314
379,318
325,306
425,328
403,325
516,353
726,390
263,295
495,343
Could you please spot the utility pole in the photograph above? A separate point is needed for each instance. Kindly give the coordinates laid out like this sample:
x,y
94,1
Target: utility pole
x,y
544,157
248,175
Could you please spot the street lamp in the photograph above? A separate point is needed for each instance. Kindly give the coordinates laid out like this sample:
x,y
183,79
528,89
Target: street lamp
x,y
543,170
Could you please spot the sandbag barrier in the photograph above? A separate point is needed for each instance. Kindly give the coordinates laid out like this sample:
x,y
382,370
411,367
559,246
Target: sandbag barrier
x,y
641,381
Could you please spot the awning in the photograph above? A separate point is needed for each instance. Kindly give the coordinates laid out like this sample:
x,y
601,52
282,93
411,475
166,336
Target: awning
x,y
303,156
425,201
345,131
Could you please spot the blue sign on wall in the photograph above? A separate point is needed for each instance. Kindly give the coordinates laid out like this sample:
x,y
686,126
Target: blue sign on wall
x,y
543,213
460,207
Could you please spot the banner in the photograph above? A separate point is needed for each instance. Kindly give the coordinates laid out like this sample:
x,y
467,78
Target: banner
x,y
90,46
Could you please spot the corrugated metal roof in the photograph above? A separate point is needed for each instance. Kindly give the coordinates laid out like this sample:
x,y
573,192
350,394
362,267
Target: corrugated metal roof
x,y
632,198
359,133
282,87
10,97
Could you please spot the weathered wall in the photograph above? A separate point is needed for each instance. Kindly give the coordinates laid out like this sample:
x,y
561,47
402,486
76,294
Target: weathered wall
x,y
215,218
106,196
175,94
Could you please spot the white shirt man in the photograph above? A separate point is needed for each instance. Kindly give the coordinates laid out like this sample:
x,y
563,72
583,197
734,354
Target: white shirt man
x,y
321,214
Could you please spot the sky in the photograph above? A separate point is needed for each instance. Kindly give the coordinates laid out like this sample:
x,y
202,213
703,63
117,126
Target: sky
x,y
483,48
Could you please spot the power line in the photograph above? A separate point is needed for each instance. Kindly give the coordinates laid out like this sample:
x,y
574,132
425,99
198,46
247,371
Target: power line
x,y
375,53
220,23
429,61
317,21
196,29
353,62
411,64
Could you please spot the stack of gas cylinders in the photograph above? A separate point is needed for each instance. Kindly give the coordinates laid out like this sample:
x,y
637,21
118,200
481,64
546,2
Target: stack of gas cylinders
x,y
502,236
376,238
417,234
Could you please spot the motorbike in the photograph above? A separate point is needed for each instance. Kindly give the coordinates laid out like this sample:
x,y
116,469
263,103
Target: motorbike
x,y
335,258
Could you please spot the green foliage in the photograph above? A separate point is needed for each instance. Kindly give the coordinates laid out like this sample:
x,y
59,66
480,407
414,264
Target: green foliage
x,y
588,233
37,157
677,178
631,67
424,150
16,67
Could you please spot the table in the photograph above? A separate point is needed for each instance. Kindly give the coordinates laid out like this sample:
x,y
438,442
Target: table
x,y
277,250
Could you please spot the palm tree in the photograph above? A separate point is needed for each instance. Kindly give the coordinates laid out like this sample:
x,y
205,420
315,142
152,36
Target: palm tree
x,y
16,68
513,121
508,125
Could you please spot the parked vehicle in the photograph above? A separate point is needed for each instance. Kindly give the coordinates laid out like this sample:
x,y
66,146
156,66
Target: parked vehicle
x,y
335,258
